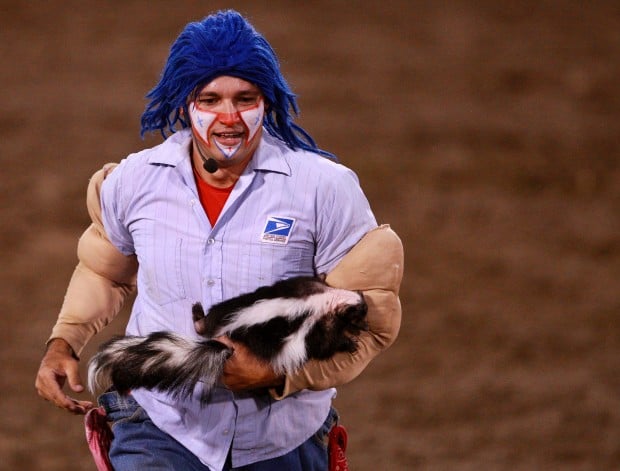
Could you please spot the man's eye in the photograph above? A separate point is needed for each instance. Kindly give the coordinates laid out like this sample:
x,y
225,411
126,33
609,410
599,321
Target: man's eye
x,y
247,100
207,101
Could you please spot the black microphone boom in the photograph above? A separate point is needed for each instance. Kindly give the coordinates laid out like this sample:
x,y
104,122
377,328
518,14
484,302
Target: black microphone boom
x,y
209,164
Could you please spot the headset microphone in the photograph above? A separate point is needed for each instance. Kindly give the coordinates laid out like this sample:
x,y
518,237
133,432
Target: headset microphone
x,y
210,165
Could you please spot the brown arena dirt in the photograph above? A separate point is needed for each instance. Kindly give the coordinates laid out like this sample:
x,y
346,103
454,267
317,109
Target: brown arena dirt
x,y
486,133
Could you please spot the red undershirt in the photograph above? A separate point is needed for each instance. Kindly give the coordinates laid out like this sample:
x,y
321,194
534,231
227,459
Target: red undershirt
x,y
212,199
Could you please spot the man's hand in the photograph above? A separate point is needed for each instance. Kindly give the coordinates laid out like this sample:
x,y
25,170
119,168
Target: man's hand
x,y
244,371
59,364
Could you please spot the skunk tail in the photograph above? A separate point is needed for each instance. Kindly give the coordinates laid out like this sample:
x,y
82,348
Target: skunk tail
x,y
163,361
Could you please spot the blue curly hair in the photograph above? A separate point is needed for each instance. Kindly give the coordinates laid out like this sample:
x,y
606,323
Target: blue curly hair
x,y
224,43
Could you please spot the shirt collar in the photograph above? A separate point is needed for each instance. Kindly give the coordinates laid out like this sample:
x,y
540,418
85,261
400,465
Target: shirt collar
x,y
271,155
173,150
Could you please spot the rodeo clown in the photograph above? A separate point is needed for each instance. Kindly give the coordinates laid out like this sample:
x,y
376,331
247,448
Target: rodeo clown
x,y
236,197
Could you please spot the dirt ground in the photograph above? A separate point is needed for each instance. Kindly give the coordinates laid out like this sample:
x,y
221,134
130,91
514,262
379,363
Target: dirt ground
x,y
486,133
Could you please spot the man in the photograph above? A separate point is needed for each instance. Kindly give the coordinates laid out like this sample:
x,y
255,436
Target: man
x,y
239,197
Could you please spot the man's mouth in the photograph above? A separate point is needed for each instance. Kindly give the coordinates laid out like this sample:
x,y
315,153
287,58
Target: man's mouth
x,y
228,139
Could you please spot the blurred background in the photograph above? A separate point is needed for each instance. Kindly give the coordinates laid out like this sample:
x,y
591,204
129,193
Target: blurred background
x,y
486,133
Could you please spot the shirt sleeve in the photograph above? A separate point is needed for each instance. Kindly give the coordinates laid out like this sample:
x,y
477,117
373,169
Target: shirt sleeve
x,y
343,217
113,212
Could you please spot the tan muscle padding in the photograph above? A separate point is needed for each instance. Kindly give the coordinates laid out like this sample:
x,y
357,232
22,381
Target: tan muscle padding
x,y
101,281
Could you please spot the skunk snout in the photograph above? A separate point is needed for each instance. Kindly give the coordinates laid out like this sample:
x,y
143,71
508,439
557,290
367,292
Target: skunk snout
x,y
355,317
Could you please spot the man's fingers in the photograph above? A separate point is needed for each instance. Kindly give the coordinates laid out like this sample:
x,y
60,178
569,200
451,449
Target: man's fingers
x,y
49,384
78,407
52,375
73,377
73,405
49,389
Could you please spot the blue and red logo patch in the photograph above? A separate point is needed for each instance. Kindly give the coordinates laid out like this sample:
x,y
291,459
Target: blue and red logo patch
x,y
277,230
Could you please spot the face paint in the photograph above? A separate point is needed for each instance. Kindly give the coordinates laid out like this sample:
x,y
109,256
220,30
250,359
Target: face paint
x,y
203,121
253,119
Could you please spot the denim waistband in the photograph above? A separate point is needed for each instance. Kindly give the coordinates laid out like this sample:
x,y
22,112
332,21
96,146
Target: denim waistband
x,y
112,401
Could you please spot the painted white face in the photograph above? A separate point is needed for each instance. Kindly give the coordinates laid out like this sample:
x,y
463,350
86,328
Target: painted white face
x,y
203,122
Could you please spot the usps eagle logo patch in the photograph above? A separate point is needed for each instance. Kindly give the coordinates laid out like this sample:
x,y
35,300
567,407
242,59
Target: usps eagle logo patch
x,y
277,230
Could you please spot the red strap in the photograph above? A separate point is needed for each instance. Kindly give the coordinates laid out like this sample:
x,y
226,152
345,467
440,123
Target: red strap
x,y
337,447
99,437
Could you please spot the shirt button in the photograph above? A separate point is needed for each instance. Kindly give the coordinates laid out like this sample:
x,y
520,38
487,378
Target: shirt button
x,y
210,282
225,432
211,241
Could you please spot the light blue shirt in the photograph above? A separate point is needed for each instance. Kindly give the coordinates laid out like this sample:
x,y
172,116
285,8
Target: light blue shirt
x,y
291,213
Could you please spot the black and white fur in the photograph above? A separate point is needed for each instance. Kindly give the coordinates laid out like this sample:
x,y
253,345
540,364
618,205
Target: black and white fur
x,y
284,324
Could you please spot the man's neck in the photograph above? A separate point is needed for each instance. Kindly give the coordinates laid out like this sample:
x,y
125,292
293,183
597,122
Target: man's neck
x,y
225,176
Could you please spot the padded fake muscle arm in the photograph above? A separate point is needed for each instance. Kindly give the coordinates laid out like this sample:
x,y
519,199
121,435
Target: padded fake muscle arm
x,y
101,281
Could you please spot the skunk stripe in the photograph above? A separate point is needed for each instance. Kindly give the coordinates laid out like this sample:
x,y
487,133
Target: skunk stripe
x,y
316,305
162,360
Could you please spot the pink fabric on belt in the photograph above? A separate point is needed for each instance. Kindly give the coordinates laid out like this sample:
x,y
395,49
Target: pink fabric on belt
x,y
337,447
99,437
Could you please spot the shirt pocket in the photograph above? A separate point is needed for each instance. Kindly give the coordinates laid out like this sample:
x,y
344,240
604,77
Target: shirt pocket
x,y
248,266
163,273
277,262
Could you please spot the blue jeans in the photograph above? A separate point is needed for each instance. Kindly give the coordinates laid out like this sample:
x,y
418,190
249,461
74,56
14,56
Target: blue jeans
x,y
138,444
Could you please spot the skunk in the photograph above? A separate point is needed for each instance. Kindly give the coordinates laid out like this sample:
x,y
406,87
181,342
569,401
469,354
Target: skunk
x,y
284,324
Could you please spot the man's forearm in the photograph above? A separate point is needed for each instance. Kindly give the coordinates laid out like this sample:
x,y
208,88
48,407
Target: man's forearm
x,y
91,302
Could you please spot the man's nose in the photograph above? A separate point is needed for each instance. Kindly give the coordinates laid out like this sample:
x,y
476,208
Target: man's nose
x,y
228,119
229,115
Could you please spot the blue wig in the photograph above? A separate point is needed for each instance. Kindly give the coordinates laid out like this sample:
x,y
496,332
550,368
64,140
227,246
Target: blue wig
x,y
224,44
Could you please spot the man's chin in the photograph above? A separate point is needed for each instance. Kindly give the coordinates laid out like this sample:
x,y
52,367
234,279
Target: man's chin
x,y
228,152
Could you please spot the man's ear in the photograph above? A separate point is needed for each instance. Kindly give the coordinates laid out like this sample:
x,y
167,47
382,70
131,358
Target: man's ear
x,y
184,115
